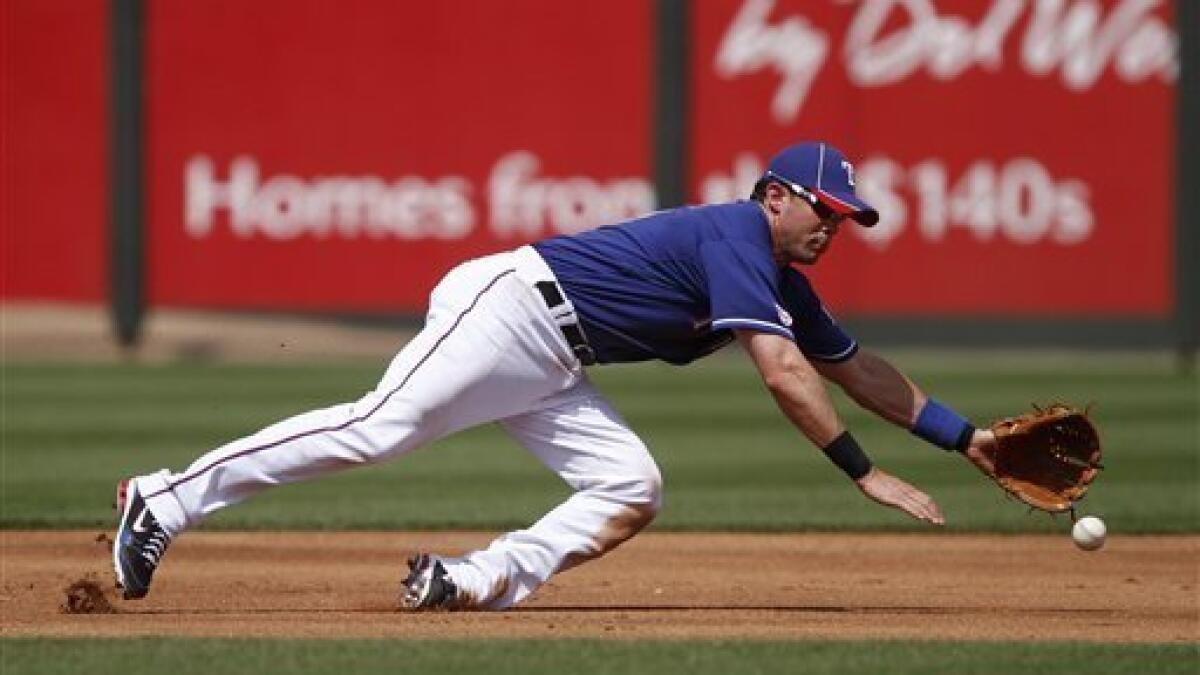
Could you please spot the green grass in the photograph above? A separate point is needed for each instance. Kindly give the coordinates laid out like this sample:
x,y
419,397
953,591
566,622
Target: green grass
x,y
183,656
729,459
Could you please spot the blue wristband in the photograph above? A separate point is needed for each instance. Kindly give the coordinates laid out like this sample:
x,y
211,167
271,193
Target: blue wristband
x,y
943,427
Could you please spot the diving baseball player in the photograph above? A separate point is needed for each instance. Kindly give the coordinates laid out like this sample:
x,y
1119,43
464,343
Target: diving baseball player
x,y
508,338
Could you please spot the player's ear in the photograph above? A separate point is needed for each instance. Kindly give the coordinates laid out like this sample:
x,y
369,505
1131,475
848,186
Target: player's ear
x,y
775,197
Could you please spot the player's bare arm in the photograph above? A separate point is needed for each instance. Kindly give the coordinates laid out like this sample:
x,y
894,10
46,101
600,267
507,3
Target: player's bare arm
x,y
798,390
877,385
795,385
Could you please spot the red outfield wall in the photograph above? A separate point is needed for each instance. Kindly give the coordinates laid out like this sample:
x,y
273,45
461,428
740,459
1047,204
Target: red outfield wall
x,y
1020,153
54,140
341,156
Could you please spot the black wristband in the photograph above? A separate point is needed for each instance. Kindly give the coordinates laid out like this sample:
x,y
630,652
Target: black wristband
x,y
845,452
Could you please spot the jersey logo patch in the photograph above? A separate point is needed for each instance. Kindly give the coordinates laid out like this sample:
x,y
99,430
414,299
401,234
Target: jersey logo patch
x,y
784,317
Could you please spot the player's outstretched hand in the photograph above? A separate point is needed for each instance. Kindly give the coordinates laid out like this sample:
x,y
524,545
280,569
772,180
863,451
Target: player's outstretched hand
x,y
890,491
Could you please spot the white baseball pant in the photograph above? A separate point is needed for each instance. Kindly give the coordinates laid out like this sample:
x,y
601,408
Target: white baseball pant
x,y
491,350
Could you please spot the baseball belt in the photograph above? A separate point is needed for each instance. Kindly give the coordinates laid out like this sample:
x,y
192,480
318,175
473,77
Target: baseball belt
x,y
553,297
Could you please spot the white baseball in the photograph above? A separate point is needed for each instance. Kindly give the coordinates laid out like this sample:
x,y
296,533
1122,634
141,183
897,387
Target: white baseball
x,y
1089,533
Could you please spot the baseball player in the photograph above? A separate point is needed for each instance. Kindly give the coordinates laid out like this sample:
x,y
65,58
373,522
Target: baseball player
x,y
508,338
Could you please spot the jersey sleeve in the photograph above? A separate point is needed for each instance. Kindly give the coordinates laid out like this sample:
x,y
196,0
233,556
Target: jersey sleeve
x,y
818,334
743,291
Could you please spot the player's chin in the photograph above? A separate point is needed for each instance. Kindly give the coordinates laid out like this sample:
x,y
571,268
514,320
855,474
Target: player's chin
x,y
808,256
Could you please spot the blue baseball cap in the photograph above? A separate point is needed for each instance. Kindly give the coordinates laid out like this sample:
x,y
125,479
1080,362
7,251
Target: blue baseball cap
x,y
820,172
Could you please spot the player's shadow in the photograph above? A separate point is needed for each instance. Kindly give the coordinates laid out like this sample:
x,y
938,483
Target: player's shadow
x,y
645,609
815,609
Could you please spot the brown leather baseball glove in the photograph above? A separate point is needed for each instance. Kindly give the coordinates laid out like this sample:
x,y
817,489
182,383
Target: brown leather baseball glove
x,y
1047,458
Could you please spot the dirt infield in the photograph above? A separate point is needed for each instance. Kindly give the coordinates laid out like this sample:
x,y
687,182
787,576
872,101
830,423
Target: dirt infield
x,y
707,586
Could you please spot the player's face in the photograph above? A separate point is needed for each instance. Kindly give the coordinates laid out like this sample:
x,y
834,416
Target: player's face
x,y
800,232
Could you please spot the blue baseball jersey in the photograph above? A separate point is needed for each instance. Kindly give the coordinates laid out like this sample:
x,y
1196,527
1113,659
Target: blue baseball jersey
x,y
674,284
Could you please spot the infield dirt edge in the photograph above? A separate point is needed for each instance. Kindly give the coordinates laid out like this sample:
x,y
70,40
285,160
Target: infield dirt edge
x,y
659,586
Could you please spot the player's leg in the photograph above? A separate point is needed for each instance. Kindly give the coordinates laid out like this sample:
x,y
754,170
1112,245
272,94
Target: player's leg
x,y
582,438
465,367
486,352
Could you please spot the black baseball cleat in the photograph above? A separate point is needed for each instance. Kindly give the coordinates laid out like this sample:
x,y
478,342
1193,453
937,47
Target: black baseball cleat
x,y
140,542
428,585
